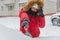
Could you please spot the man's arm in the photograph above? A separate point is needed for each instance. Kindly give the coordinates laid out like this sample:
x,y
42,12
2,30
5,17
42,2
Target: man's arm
x,y
40,6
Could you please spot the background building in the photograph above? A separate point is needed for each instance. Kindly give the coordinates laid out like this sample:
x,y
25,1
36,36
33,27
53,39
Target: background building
x,y
12,7
58,5
8,7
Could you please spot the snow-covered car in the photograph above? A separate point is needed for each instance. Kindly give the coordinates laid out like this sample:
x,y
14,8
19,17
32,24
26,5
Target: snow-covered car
x,y
55,19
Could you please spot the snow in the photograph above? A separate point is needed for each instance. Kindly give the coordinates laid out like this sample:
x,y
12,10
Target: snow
x,y
9,30
10,22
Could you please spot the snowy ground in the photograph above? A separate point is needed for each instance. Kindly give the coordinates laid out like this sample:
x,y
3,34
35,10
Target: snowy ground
x,y
9,30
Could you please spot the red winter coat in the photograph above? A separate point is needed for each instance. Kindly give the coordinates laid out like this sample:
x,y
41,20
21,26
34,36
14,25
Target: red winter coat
x,y
34,25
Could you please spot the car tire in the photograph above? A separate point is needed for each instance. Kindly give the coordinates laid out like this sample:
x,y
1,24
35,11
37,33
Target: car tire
x,y
55,21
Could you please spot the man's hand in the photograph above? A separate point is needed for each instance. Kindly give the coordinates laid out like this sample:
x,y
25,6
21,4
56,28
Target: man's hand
x,y
40,12
25,23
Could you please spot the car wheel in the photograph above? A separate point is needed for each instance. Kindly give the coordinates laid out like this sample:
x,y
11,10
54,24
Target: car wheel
x,y
55,21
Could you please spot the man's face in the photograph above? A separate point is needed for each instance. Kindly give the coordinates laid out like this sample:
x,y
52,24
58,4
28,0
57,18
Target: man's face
x,y
34,9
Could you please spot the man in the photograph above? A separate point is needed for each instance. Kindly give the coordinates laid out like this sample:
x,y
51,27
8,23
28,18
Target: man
x,y
31,18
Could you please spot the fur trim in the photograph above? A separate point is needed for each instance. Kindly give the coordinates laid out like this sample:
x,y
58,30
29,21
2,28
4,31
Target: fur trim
x,y
40,3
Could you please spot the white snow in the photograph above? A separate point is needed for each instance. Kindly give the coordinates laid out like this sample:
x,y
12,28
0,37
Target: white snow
x,y
9,30
10,22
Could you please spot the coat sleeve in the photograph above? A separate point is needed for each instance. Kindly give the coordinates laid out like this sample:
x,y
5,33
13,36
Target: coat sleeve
x,y
22,15
42,22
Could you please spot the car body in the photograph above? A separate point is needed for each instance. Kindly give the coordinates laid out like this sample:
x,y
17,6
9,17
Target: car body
x,y
55,19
